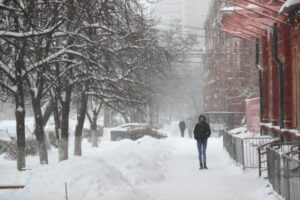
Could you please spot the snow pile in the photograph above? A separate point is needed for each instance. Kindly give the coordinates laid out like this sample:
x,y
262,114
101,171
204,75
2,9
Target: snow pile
x,y
137,170
108,173
239,130
288,4
237,8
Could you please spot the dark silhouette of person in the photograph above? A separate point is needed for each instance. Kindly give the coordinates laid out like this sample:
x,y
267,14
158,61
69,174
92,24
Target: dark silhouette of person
x,y
182,127
201,133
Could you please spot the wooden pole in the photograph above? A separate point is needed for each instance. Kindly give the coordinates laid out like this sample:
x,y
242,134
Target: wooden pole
x,y
6,187
66,191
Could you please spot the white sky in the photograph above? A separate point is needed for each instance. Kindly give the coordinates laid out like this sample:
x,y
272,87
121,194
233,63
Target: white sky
x,y
189,12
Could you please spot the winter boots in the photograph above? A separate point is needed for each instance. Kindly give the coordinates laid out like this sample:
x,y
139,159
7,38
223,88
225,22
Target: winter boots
x,y
203,166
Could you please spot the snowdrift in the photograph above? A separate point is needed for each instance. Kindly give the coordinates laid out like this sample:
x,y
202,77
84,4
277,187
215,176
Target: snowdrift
x,y
105,173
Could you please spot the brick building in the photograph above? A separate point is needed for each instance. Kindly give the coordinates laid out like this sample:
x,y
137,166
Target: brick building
x,y
230,75
274,26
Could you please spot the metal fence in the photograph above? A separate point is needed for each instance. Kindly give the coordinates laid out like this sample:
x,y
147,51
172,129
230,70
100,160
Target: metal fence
x,y
284,169
244,149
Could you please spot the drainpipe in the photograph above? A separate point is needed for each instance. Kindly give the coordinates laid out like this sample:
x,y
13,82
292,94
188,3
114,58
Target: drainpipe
x,y
281,74
260,71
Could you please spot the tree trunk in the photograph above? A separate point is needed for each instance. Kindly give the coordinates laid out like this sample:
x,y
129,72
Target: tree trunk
x,y
48,112
125,117
20,112
66,101
56,115
46,116
93,123
94,132
106,116
20,124
80,122
151,112
94,138
63,148
39,130
77,147
64,141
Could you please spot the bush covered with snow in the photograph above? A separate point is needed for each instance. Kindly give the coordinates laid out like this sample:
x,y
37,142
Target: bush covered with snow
x,y
10,148
3,145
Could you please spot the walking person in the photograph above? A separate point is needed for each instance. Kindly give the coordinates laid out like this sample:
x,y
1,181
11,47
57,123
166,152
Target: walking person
x,y
182,127
201,133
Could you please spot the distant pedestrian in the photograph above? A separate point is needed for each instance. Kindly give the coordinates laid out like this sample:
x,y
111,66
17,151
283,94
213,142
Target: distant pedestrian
x,y
201,133
182,127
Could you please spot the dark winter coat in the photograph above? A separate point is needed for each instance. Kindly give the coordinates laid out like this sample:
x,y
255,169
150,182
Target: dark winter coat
x,y
182,125
201,131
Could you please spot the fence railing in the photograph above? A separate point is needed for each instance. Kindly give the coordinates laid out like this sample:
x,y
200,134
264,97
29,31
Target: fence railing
x,y
281,161
244,149
284,169
262,157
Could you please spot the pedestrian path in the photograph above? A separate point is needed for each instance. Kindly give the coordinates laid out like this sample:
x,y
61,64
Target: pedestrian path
x,y
222,181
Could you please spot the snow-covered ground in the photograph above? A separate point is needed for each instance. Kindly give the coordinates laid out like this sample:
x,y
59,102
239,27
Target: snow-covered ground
x,y
136,170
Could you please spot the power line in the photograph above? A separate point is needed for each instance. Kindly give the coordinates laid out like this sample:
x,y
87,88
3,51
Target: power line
x,y
188,62
192,27
204,54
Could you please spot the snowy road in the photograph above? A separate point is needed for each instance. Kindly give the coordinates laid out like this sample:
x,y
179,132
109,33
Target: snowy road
x,y
147,169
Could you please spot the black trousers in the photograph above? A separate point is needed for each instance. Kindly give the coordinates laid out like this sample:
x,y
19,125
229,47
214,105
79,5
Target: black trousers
x,y
182,132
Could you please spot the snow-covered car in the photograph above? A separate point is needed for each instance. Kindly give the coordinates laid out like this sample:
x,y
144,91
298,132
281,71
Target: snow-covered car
x,y
134,131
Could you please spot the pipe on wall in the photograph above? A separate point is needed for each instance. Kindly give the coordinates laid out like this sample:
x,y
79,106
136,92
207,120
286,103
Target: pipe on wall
x,y
260,71
280,65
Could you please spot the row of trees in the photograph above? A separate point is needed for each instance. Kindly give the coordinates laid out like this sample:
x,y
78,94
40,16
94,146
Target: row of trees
x,y
97,52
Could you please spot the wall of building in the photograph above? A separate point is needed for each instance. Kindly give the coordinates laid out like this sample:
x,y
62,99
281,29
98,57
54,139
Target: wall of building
x,y
289,52
229,68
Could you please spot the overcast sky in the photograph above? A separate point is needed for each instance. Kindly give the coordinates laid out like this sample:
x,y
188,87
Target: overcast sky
x,y
191,13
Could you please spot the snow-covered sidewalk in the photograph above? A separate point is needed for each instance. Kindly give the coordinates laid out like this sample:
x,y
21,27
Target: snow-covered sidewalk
x,y
222,181
145,169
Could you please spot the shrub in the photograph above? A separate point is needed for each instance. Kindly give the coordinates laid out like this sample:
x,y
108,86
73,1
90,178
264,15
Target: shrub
x,y
10,148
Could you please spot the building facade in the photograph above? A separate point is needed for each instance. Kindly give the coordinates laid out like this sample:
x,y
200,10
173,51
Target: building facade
x,y
274,27
230,75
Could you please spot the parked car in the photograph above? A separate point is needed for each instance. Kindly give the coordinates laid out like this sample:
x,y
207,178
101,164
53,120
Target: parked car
x,y
135,131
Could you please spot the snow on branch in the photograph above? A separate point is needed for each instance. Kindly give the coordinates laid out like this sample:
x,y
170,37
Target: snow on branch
x,y
66,33
33,33
45,60
12,89
7,71
57,54
4,7
113,97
